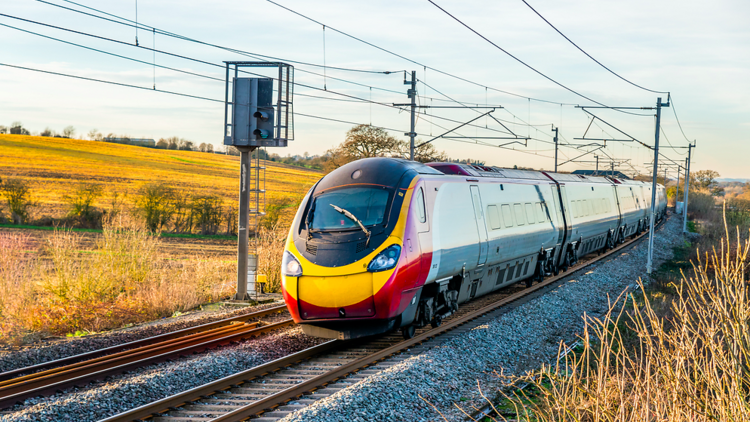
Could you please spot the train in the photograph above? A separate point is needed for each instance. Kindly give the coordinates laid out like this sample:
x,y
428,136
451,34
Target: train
x,y
382,244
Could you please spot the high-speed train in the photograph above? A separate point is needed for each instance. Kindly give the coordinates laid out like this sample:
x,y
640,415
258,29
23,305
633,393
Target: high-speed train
x,y
381,244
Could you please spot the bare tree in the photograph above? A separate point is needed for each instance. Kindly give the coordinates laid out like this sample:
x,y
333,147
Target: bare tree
x,y
209,147
186,145
69,131
363,141
3,129
94,135
162,143
47,132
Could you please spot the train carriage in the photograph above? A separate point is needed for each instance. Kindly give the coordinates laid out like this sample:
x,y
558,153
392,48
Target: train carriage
x,y
381,243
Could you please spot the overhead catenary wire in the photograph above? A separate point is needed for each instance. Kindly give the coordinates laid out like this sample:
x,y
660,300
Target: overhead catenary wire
x,y
353,98
350,98
128,22
411,60
588,55
153,50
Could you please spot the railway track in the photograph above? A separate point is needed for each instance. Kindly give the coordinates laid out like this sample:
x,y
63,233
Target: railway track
x,y
271,391
79,370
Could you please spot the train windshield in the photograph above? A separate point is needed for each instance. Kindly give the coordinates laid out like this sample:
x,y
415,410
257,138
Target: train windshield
x,y
365,203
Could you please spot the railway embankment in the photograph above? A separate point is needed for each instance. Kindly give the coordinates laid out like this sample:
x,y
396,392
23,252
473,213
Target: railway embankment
x,y
431,384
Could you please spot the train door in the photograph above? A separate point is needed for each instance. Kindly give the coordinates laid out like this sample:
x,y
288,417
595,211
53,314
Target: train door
x,y
481,226
567,220
423,230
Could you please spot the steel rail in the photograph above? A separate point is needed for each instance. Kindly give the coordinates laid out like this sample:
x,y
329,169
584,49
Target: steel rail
x,y
83,375
222,384
279,398
138,343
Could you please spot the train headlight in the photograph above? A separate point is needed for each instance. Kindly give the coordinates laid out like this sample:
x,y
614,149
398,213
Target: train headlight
x,y
290,267
385,260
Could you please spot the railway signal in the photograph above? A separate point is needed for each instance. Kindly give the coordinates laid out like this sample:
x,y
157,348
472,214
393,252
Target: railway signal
x,y
252,121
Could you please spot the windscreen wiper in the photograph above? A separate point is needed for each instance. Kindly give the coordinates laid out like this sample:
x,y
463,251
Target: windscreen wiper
x,y
355,219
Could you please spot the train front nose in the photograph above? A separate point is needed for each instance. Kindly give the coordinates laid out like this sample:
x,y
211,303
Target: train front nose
x,y
315,293
346,296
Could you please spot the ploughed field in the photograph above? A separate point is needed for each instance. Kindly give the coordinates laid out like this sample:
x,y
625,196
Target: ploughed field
x,y
54,166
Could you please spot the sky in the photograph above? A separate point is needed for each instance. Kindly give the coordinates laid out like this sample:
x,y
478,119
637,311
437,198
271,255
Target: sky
x,y
695,50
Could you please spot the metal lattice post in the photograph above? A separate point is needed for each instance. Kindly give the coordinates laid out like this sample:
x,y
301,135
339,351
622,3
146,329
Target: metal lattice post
x,y
687,189
555,129
653,187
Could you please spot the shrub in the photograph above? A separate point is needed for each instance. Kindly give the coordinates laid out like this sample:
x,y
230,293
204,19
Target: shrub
x,y
207,212
230,217
16,194
16,128
182,220
81,204
155,203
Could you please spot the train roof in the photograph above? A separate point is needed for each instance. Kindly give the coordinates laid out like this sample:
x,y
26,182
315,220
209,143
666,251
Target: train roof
x,y
476,170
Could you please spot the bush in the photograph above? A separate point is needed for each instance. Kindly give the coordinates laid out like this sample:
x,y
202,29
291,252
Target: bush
x,y
155,203
17,195
207,212
81,201
16,128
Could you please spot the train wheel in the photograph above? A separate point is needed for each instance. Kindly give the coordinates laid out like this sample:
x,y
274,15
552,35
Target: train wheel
x,y
555,270
408,331
566,263
436,321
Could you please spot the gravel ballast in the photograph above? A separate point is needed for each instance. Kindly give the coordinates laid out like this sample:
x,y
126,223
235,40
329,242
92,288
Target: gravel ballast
x,y
158,381
515,342
45,351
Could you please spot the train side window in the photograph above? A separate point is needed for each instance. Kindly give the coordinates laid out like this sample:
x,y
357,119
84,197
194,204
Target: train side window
x,y
596,207
530,213
540,217
520,218
574,208
507,215
420,206
494,215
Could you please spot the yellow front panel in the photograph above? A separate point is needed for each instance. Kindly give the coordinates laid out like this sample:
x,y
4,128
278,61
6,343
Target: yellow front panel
x,y
336,291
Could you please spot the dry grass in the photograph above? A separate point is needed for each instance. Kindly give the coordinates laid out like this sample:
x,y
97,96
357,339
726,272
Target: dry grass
x,y
56,166
122,278
680,357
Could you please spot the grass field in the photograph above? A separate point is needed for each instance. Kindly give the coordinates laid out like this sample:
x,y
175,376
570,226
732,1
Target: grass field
x,y
61,281
54,166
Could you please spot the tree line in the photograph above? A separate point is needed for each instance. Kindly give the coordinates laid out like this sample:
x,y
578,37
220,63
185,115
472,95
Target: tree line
x,y
160,207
